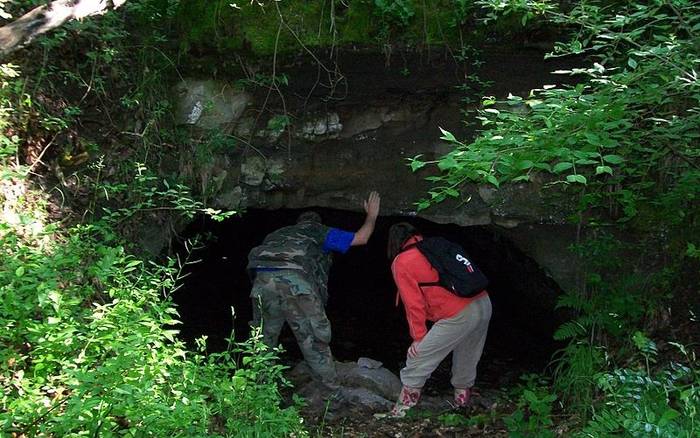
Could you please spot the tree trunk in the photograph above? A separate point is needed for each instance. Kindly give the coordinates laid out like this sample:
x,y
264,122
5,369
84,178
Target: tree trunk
x,y
40,20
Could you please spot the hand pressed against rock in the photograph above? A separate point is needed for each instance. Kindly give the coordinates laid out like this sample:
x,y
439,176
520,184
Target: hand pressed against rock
x,y
371,206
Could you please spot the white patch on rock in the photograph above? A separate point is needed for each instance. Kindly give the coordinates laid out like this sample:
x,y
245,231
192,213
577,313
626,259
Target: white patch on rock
x,y
209,104
253,170
322,128
195,114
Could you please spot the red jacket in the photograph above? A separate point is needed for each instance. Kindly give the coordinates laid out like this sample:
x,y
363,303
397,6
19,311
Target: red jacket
x,y
429,303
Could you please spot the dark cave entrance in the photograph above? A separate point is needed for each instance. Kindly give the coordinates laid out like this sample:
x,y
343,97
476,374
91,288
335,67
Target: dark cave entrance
x,y
361,306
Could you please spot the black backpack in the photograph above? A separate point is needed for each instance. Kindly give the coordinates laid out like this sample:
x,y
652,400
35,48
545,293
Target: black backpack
x,y
456,272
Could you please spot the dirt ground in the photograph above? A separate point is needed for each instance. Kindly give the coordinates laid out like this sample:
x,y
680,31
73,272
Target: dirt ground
x,y
433,417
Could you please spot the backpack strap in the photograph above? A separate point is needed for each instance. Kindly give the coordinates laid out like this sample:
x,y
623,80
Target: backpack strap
x,y
421,285
407,247
430,283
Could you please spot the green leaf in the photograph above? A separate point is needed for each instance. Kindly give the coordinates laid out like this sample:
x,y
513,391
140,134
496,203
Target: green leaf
x,y
417,164
239,382
530,396
131,266
569,330
668,416
170,334
446,163
603,169
613,159
632,63
19,271
493,180
560,167
451,192
576,179
422,205
524,165
447,136
592,138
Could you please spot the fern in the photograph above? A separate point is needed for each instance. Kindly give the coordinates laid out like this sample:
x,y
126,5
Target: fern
x,y
642,402
576,366
603,424
569,330
572,300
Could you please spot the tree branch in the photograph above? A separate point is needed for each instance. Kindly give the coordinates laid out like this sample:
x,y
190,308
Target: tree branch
x,y
45,18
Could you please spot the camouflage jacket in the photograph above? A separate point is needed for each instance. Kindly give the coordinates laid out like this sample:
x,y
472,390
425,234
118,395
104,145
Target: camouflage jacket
x,y
298,247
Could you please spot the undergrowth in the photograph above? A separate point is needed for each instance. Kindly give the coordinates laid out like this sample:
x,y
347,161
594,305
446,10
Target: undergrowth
x,y
88,331
618,151
91,348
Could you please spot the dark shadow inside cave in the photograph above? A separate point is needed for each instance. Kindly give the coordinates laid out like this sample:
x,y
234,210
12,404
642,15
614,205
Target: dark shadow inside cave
x,y
362,307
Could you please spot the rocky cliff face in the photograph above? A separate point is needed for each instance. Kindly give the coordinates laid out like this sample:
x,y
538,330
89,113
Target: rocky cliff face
x,y
327,142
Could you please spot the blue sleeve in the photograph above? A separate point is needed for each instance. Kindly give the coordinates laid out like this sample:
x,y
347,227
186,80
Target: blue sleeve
x,y
338,241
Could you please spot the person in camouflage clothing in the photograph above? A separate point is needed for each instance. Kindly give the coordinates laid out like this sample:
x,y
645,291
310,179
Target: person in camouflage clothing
x,y
291,269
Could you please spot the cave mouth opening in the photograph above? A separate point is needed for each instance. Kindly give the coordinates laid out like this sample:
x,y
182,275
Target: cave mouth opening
x,y
362,295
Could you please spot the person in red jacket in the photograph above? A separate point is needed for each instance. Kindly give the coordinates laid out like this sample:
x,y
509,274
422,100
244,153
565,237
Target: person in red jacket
x,y
460,324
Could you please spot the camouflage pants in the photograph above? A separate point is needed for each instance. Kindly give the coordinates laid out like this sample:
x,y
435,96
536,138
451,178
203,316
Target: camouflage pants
x,y
285,295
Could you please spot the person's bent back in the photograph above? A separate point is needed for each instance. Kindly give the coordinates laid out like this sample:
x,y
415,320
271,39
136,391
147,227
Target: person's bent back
x,y
291,269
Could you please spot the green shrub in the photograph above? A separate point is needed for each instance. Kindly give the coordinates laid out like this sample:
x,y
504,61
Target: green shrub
x,y
90,347
88,332
533,416
641,402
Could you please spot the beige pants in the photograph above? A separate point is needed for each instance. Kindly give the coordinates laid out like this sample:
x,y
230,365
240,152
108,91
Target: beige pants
x,y
463,335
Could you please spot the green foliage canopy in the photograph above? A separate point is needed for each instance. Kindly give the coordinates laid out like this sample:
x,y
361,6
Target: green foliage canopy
x,y
628,130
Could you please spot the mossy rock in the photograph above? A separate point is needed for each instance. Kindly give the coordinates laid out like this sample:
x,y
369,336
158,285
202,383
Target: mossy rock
x,y
283,27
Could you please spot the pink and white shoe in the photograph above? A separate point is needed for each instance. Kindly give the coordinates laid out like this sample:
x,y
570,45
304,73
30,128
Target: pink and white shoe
x,y
462,397
407,399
